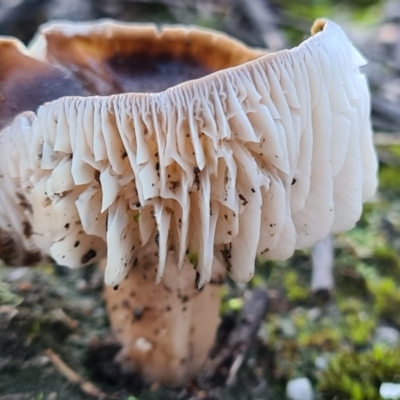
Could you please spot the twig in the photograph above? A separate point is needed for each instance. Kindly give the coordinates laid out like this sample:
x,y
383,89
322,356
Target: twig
x,y
233,354
87,387
235,369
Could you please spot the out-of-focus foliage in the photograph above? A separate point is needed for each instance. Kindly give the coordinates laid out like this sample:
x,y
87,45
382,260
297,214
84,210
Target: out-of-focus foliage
x,y
358,10
358,375
7,296
335,343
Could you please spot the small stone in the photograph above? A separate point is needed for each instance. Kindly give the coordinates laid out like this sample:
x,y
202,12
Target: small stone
x,y
288,327
16,274
388,335
390,391
299,389
8,312
321,362
314,314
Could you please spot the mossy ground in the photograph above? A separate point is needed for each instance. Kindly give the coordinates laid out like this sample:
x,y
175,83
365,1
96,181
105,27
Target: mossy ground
x,y
331,341
335,343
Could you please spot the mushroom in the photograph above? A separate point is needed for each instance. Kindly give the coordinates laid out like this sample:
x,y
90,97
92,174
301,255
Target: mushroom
x,y
182,155
25,83
166,330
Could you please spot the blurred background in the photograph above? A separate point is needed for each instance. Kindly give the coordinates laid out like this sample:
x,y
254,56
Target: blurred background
x,y
332,336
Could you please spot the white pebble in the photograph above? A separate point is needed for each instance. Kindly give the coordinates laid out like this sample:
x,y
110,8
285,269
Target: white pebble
x,y
299,389
388,335
17,273
322,362
390,391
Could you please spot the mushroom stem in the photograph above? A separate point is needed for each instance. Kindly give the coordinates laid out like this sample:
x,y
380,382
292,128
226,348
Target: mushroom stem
x,y
166,330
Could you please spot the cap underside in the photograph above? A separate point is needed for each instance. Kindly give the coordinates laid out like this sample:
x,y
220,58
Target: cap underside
x,y
256,159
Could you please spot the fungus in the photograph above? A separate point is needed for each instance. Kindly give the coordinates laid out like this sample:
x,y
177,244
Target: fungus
x,y
183,148
25,84
166,330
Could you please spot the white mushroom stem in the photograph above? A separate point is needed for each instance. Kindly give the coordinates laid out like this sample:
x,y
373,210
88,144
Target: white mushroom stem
x,y
322,265
166,330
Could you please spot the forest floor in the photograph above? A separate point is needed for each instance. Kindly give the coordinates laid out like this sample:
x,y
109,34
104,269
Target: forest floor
x,y
345,342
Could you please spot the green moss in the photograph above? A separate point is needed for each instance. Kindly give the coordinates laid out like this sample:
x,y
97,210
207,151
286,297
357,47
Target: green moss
x,y
294,290
257,281
35,329
230,304
387,299
349,281
324,338
6,295
358,323
389,179
367,213
386,260
358,328
235,304
350,305
361,12
358,376
265,270
394,149
362,242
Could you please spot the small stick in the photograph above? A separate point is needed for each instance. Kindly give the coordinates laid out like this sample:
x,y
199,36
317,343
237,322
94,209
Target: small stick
x,y
86,387
234,352
234,370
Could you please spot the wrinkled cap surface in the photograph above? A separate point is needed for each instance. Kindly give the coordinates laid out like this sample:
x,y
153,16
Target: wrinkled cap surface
x,y
214,149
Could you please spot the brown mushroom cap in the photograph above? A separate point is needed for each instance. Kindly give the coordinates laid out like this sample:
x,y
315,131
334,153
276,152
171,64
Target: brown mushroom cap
x,y
258,158
26,83
112,58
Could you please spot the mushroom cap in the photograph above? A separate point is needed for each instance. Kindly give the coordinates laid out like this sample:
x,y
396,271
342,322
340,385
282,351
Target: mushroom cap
x,y
260,154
